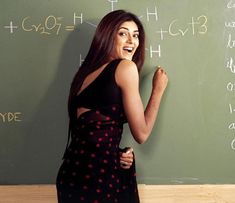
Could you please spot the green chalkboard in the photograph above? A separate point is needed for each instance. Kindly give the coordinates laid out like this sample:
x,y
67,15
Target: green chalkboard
x,y
42,44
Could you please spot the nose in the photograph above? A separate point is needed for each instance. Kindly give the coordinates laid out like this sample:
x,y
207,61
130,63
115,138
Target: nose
x,y
130,39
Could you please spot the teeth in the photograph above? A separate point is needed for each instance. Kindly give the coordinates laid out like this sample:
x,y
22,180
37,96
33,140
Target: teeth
x,y
129,49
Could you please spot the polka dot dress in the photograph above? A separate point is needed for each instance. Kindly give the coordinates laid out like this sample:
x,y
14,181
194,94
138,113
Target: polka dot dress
x,y
91,171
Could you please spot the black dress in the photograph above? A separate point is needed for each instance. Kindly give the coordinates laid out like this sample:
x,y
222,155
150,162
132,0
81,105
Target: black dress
x,y
91,170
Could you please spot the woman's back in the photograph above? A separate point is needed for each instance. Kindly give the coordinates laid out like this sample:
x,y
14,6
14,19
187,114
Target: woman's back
x,y
91,162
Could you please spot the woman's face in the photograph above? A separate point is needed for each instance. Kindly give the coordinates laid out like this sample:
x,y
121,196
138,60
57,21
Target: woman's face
x,y
126,41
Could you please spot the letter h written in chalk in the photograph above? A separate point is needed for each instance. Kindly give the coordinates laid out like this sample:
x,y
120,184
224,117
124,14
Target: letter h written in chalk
x,y
154,14
155,51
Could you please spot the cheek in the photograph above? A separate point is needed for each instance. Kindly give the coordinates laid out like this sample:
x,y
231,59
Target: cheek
x,y
119,46
116,47
117,51
121,40
137,43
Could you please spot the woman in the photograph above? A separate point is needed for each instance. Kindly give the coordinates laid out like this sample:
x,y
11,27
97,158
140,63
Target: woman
x,y
104,94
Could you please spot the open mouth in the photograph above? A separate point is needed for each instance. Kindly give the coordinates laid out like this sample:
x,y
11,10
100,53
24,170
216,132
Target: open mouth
x,y
128,49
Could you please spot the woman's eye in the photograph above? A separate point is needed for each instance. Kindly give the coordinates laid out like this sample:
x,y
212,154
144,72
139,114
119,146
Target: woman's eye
x,y
136,35
122,34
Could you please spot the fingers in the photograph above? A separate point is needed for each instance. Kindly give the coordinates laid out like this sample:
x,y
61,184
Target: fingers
x,y
126,159
126,164
128,153
160,80
159,68
160,73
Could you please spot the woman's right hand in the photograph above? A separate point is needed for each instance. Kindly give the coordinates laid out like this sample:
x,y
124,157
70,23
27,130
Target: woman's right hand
x,y
160,80
140,120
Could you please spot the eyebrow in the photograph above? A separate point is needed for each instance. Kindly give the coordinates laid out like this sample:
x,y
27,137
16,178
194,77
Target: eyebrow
x,y
127,29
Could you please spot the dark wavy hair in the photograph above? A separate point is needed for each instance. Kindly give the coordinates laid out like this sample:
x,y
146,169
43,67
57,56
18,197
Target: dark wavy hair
x,y
101,48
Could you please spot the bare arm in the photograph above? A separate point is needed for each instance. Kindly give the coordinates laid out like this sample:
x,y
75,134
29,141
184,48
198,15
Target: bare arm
x,y
140,121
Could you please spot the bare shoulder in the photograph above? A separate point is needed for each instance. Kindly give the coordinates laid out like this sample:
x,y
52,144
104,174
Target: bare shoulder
x,y
126,71
126,65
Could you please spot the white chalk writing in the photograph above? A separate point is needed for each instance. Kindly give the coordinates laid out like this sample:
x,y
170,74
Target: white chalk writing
x,y
231,4
10,117
230,65
230,86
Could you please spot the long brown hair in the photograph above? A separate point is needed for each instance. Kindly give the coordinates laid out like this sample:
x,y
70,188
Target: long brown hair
x,y
102,46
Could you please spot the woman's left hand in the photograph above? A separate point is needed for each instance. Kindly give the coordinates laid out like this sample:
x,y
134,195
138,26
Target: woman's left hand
x,y
126,158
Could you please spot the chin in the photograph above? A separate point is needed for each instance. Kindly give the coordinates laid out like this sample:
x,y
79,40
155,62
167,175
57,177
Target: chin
x,y
127,58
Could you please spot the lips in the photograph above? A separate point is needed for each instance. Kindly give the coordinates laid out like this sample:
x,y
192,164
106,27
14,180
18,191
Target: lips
x,y
128,49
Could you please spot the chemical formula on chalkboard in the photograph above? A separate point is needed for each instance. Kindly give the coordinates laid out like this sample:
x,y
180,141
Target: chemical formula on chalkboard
x,y
229,62
50,25
54,25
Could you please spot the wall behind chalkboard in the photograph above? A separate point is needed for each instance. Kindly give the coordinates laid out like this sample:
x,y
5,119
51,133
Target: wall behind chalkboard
x,y
42,44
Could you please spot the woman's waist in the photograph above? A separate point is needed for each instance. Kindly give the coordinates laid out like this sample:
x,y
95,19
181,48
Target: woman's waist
x,y
97,152
96,137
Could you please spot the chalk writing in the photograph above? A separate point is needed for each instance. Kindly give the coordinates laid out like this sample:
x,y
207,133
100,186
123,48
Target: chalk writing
x,y
233,144
80,59
231,4
51,24
230,87
156,51
201,24
154,13
11,27
198,26
231,42
42,29
92,24
229,24
162,33
231,126
10,117
75,17
230,65
112,4
231,109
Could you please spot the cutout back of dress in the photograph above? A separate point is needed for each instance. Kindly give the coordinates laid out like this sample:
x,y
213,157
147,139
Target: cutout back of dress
x,y
103,91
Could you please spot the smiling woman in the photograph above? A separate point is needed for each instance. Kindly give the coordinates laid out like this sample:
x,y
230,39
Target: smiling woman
x,y
104,95
126,41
